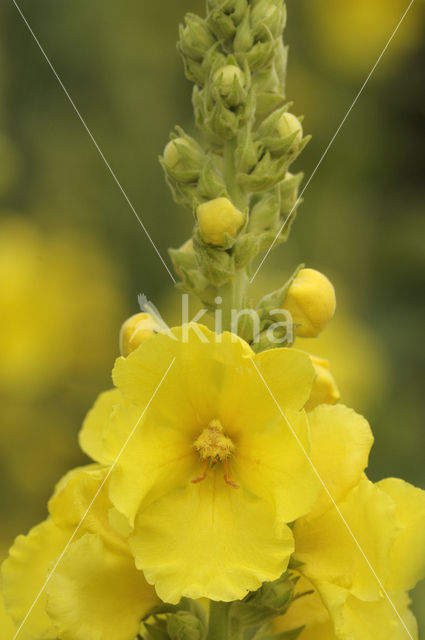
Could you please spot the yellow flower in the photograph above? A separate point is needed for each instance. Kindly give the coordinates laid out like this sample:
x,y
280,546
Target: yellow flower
x,y
325,390
311,302
387,521
218,219
212,472
56,322
95,590
135,329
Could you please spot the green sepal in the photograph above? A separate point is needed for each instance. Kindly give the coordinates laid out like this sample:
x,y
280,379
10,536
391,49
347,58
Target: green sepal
x,y
217,265
245,249
185,625
268,172
265,214
275,299
244,38
195,37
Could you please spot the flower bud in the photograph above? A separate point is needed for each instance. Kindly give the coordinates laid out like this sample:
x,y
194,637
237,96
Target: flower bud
x,y
311,302
289,125
289,191
184,625
217,220
136,330
195,38
183,155
324,390
230,83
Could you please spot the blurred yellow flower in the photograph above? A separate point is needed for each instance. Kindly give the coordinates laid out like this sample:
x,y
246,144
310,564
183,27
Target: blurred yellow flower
x,y
351,35
59,308
95,591
212,473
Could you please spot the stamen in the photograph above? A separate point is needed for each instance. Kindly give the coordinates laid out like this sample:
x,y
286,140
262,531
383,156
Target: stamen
x,y
203,474
227,479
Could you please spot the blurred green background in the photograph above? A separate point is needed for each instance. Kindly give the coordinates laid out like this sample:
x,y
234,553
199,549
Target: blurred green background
x,y
73,257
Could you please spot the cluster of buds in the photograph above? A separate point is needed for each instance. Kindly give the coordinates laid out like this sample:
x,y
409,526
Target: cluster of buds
x,y
237,183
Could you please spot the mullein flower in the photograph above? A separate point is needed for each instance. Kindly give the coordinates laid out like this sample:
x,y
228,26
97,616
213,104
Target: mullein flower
x,y
387,519
95,591
213,473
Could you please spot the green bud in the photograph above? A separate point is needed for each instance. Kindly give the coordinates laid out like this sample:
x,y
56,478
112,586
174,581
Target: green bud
x,y
244,38
269,15
183,158
222,25
184,625
289,191
230,83
195,37
289,125
276,595
258,56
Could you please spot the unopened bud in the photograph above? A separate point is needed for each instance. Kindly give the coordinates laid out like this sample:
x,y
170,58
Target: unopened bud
x,y
311,302
289,125
183,154
218,220
289,191
230,82
324,390
136,330
184,625
195,38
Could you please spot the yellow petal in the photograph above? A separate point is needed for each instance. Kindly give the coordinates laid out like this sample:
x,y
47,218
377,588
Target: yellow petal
x,y
98,594
157,459
331,556
7,626
194,380
340,443
324,390
377,620
84,499
91,434
274,466
289,375
209,540
24,574
408,553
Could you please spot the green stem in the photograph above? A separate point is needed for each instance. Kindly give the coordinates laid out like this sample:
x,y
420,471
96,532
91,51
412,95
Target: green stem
x,y
233,295
236,193
219,622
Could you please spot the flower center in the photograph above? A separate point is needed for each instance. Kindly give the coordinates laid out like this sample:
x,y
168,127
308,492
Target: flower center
x,y
213,447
